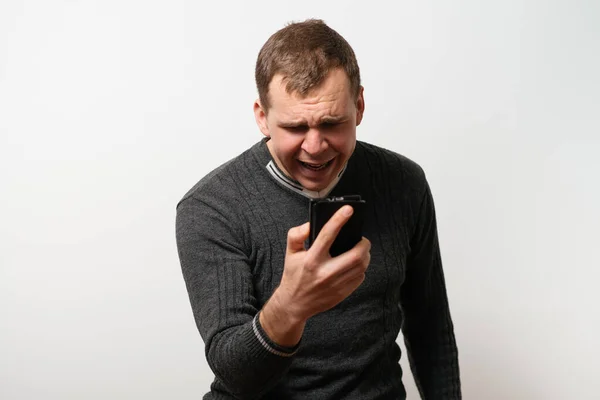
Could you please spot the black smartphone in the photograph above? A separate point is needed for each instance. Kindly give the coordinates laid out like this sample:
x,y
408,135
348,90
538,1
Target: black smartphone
x,y
321,210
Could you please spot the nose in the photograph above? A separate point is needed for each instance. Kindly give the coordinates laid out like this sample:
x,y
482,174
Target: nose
x,y
314,142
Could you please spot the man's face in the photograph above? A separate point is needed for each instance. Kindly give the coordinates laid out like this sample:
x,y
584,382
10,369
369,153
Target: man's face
x,y
312,137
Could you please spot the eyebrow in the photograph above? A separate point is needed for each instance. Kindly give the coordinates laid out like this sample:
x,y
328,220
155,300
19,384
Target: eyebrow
x,y
325,120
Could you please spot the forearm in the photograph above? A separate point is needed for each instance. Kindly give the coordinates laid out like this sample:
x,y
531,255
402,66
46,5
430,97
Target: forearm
x,y
429,332
246,362
431,345
242,356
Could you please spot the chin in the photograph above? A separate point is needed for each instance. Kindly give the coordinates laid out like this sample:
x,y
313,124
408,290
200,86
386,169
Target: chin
x,y
315,186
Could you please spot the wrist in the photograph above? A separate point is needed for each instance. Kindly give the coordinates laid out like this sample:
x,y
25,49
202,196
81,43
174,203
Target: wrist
x,y
278,321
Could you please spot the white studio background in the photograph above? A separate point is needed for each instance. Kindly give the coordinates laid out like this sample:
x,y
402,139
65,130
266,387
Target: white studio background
x,y
111,110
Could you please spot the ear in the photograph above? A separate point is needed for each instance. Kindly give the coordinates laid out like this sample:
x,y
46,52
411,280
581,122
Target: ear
x,y
360,105
261,118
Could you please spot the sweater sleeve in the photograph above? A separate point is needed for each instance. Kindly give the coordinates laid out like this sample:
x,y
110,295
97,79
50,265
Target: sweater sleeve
x,y
427,328
218,277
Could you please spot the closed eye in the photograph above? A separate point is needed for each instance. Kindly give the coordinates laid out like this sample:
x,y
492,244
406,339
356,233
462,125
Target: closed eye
x,y
303,128
296,128
329,125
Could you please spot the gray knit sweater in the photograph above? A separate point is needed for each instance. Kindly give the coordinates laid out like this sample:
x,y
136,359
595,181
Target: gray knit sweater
x,y
231,235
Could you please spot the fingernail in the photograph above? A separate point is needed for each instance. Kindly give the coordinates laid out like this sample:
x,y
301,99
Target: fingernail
x,y
348,211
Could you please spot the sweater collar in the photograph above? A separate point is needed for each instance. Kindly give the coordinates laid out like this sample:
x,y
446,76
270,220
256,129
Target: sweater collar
x,y
280,177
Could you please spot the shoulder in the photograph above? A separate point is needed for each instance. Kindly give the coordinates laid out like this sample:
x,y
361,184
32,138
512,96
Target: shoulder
x,y
390,165
221,183
213,207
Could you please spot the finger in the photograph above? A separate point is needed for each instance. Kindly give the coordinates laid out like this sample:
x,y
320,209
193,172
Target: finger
x,y
331,229
350,276
296,237
357,257
364,242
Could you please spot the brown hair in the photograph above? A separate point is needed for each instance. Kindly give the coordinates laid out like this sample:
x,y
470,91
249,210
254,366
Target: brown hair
x,y
304,53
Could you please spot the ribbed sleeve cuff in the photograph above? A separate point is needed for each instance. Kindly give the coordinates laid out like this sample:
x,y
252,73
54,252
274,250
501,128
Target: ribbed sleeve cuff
x,y
268,344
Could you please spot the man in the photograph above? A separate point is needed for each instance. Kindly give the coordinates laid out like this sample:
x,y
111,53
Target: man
x,y
283,322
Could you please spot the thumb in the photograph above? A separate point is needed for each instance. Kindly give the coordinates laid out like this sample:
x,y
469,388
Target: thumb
x,y
296,237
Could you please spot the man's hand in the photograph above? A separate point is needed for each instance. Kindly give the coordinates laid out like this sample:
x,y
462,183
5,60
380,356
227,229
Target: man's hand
x,y
312,280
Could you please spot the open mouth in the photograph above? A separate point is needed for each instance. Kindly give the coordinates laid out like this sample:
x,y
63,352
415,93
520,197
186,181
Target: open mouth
x,y
316,167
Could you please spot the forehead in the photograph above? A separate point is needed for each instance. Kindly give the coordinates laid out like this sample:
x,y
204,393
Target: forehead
x,y
332,96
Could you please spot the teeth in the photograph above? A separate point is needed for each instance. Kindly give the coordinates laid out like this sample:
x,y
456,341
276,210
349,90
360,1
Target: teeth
x,y
315,167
